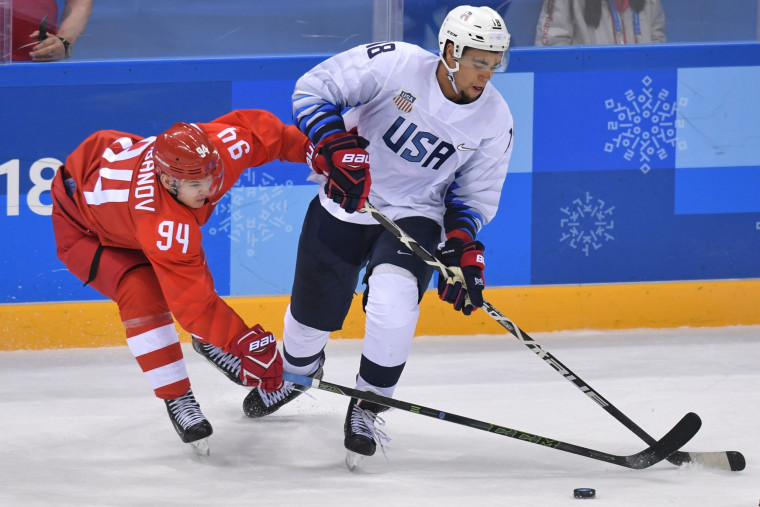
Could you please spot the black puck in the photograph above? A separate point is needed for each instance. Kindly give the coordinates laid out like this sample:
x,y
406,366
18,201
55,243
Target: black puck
x,y
584,493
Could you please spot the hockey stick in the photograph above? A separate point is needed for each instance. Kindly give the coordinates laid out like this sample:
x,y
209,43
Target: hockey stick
x,y
725,460
658,451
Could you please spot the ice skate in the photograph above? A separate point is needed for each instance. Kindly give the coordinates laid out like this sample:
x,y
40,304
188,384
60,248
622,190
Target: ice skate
x,y
191,425
227,363
362,432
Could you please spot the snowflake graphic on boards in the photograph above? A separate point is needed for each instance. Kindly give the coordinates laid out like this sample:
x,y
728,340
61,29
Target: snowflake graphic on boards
x,y
255,211
644,125
587,224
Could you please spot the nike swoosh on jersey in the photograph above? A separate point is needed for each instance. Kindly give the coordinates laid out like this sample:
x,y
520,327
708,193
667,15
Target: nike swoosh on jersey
x,y
401,252
462,147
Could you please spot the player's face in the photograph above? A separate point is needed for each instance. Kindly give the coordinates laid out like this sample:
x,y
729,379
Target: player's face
x,y
476,68
191,193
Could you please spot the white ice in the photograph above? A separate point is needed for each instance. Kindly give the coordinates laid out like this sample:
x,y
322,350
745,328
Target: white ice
x,y
81,427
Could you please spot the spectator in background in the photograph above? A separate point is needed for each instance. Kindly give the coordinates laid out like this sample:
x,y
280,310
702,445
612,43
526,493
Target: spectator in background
x,y
59,43
564,22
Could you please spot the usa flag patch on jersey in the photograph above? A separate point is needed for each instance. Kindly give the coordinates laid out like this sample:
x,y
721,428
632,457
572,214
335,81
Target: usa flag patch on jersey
x,y
404,101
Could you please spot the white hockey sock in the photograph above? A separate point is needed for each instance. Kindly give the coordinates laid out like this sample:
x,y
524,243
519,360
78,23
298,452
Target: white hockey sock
x,y
301,341
392,313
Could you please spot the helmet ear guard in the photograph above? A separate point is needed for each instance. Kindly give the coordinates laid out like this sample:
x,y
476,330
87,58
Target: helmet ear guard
x,y
184,152
474,27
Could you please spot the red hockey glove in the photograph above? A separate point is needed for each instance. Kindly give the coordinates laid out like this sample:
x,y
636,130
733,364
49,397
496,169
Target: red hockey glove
x,y
465,289
343,159
260,361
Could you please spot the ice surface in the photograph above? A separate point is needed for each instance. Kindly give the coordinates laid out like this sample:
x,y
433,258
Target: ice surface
x,y
81,427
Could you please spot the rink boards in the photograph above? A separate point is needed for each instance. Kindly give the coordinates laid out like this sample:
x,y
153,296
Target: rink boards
x,y
633,197
533,309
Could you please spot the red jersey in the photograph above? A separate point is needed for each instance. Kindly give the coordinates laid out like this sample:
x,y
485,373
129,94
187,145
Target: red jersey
x,y
125,205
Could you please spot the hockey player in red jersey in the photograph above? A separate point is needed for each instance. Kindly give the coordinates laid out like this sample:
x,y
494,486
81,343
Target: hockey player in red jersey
x,y
127,213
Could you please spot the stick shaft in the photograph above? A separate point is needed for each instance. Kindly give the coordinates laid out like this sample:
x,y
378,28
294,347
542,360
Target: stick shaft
x,y
677,437
677,458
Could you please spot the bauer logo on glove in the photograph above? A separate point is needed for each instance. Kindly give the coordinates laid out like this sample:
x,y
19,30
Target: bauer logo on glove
x,y
310,158
257,345
357,159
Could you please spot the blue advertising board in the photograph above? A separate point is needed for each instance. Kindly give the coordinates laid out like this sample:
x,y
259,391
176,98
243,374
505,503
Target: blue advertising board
x,y
642,168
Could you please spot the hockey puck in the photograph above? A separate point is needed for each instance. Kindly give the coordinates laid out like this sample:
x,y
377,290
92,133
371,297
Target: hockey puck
x,y
584,493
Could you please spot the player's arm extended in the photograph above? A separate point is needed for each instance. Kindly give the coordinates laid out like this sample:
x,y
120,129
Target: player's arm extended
x,y
172,243
253,137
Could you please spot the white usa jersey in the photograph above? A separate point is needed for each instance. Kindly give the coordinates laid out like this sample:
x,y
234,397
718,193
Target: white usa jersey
x,y
428,155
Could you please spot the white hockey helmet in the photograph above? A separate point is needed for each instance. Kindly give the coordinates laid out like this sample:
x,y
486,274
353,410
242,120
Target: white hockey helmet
x,y
474,27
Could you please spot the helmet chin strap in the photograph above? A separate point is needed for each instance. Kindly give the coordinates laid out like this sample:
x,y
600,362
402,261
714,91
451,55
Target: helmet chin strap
x,y
453,83
450,70
450,73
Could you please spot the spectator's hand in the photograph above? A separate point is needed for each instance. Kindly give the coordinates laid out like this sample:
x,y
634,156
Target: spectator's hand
x,y
260,361
465,289
49,50
343,159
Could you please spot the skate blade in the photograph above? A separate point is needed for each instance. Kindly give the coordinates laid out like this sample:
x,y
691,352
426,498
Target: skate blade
x,y
353,460
201,447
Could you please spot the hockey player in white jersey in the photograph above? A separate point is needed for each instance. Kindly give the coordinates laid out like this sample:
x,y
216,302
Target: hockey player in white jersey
x,y
427,139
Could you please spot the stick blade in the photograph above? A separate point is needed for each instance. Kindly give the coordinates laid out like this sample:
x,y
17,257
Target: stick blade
x,y
736,461
673,440
720,460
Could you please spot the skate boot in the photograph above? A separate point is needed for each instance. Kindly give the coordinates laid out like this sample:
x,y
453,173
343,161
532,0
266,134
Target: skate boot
x,y
361,433
259,403
190,423
227,363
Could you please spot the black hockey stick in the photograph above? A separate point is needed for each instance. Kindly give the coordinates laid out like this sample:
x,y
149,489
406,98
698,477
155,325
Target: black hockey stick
x,y
658,451
726,460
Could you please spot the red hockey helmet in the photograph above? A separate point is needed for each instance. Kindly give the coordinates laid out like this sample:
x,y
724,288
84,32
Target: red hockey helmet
x,y
185,152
